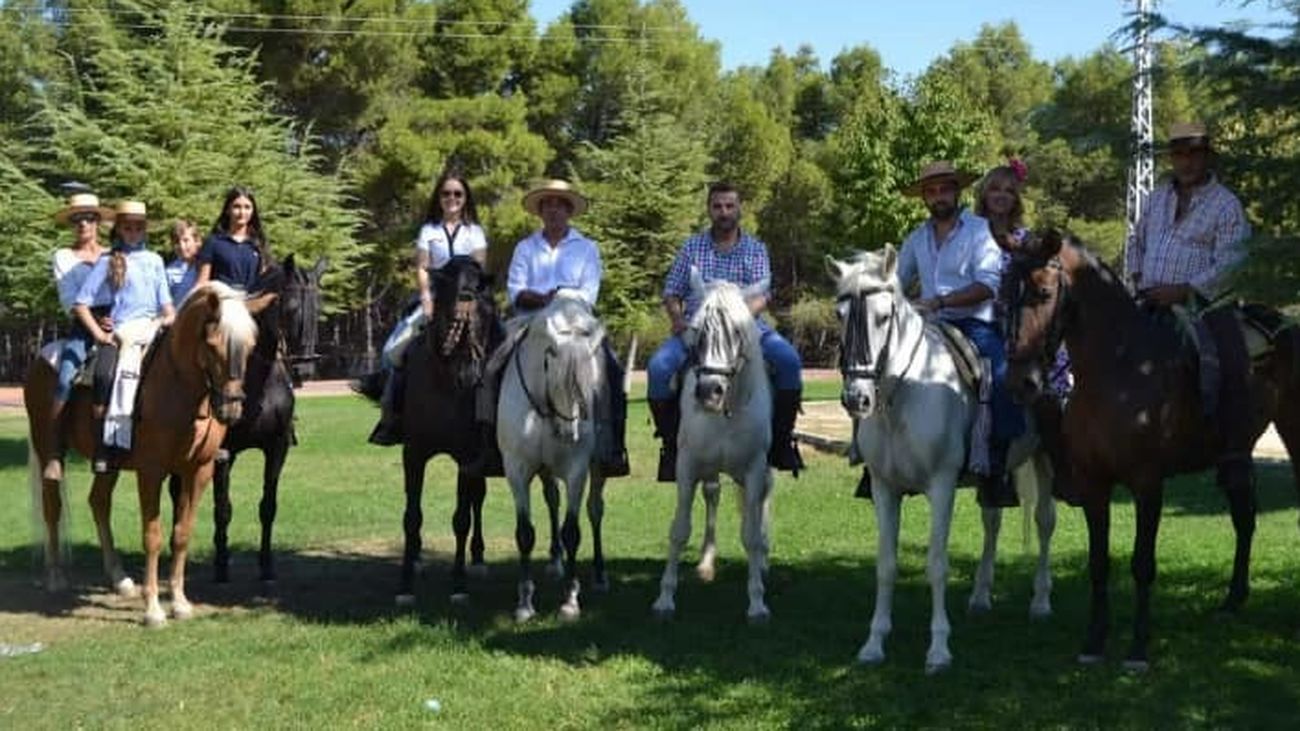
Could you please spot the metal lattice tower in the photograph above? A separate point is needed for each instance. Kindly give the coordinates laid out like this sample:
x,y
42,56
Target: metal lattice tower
x,y
1141,174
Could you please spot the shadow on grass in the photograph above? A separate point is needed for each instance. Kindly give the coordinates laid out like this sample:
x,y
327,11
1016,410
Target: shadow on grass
x,y
13,451
1197,494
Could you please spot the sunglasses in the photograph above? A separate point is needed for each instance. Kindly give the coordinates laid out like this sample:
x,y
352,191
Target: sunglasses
x,y
83,218
452,193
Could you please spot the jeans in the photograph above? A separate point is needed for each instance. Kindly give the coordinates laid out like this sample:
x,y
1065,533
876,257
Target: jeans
x,y
1008,418
75,347
777,351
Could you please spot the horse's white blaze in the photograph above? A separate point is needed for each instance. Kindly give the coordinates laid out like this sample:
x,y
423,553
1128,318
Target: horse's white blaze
x,y
913,423
546,417
732,360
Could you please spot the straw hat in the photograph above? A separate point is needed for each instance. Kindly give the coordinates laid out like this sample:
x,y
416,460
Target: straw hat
x,y
1188,134
83,203
936,170
554,188
130,209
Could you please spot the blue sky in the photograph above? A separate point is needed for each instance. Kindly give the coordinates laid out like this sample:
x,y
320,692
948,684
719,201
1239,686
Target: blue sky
x,y
908,35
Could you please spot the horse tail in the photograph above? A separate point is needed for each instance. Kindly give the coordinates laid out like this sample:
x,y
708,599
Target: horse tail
x,y
1026,477
36,487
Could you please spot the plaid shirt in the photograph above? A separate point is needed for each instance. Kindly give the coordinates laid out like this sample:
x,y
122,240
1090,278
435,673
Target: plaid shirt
x,y
744,264
1200,249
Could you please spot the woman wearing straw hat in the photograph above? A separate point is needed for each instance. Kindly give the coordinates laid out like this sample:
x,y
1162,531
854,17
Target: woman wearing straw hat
x,y
72,264
133,279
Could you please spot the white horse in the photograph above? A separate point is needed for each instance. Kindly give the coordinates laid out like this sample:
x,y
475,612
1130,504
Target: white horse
x,y
726,428
547,425
914,418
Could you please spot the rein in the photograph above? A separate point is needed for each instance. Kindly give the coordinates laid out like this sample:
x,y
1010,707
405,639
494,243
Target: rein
x,y
1055,326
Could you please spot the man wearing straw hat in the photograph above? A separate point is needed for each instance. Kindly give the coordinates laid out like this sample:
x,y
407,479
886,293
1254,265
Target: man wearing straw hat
x,y
959,267
556,256
1190,238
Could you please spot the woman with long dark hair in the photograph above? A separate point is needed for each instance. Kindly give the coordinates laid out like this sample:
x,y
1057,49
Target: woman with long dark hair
x,y
236,251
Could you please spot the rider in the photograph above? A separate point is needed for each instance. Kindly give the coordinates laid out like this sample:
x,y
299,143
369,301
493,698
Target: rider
x,y
450,229
236,252
959,266
1190,238
134,280
727,253
556,257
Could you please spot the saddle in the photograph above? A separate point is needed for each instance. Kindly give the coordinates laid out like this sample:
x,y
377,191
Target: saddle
x,y
978,380
85,375
1260,327
970,366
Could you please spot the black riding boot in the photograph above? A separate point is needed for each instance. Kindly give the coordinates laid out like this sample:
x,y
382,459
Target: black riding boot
x,y
864,485
784,454
1236,466
997,489
389,429
488,463
614,463
667,416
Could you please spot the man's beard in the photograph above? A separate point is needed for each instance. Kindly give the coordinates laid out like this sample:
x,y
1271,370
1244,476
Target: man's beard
x,y
725,225
942,210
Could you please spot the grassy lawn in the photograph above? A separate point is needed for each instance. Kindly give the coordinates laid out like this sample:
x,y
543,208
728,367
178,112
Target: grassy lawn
x,y
329,648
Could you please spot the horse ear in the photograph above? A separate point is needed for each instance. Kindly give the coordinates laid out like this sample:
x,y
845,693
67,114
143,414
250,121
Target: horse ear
x,y
835,268
1050,243
288,264
256,304
891,260
756,289
321,265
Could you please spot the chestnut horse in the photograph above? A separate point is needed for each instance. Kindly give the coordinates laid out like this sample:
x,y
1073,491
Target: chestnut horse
x,y
191,388
1135,415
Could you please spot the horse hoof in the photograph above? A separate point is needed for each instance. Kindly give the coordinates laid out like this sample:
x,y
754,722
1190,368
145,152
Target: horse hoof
x,y
524,614
155,619
870,657
664,614
759,619
570,612
405,600
56,582
706,573
477,570
182,611
1040,613
935,668
460,598
1136,667
600,585
1090,659
976,607
127,589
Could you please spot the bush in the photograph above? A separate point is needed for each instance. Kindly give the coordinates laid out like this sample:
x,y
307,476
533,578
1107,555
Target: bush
x,y
813,329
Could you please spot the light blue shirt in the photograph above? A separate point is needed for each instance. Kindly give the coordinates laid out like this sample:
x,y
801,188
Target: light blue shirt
x,y
181,276
539,267
143,294
967,256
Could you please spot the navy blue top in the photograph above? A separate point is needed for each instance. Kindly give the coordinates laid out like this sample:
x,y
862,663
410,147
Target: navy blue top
x,y
234,263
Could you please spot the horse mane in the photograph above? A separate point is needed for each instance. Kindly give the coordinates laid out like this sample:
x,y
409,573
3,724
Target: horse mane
x,y
863,271
724,311
571,370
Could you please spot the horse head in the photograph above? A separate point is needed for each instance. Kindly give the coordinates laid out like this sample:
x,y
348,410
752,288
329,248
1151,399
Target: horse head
x,y
723,336
215,333
463,317
1034,296
571,360
867,302
300,312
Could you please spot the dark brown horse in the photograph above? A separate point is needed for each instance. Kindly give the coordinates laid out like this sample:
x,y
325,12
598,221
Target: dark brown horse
x,y
191,388
1136,414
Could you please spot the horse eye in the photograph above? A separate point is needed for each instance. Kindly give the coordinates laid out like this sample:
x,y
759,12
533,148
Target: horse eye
x,y
841,310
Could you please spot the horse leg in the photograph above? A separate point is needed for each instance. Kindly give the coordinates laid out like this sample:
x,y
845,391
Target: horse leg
x,y
51,497
575,484
412,521
151,530
981,596
101,504
887,504
192,486
1287,423
222,512
753,533
1096,507
1040,606
467,486
680,532
1242,505
709,549
551,492
1148,502
477,564
267,508
525,538
596,514
941,493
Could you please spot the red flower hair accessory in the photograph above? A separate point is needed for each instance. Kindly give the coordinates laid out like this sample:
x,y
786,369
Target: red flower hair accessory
x,y
1018,167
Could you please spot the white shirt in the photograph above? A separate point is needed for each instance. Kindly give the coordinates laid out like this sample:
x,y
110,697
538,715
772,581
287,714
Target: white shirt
x,y
441,244
69,274
969,255
539,267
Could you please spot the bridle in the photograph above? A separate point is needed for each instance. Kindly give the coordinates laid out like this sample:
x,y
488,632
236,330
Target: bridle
x,y
855,356
1020,296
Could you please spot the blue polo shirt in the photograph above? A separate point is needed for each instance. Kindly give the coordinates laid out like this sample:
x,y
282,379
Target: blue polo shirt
x,y
233,262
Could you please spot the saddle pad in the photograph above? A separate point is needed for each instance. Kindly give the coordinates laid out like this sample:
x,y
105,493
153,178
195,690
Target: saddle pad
x,y
969,364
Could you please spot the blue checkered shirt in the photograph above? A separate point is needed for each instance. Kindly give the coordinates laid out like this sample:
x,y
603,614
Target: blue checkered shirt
x,y
744,264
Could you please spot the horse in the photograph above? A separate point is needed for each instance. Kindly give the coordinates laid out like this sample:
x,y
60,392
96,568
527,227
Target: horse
x,y
547,421
913,418
444,366
191,390
726,391
1136,414
286,344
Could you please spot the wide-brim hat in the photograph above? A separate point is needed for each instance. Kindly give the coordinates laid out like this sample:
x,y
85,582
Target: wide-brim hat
x,y
554,188
1187,135
130,209
83,203
935,171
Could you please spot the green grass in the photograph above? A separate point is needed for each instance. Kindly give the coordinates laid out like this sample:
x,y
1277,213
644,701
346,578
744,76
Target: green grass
x,y
331,650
